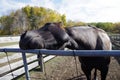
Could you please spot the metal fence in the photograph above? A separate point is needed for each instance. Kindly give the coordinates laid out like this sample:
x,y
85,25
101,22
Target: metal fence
x,y
11,65
59,53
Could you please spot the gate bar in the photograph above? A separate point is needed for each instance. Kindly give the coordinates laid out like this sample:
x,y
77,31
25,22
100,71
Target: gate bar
x,y
60,53
100,53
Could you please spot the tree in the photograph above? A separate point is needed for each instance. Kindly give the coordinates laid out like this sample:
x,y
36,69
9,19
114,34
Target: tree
x,y
6,22
116,28
26,10
29,18
71,23
63,18
106,26
33,19
20,23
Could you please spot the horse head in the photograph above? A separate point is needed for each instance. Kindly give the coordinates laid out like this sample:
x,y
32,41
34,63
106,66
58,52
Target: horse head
x,y
62,36
57,31
31,40
50,36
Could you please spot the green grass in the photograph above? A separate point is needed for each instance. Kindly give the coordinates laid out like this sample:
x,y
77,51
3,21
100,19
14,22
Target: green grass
x,y
2,54
8,44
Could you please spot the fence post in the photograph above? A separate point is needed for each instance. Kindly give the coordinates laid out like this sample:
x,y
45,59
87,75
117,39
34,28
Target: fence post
x,y
25,66
40,62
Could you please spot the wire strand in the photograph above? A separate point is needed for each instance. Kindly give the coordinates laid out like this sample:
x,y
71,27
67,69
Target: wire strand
x,y
75,62
9,64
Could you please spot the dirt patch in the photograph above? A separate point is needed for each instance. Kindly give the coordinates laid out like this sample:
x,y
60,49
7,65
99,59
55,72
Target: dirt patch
x,y
114,70
64,68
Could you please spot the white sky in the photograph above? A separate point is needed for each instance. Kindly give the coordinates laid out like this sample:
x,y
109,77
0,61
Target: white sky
x,y
78,10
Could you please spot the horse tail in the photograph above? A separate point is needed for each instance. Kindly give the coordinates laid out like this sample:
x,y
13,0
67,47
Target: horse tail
x,y
95,74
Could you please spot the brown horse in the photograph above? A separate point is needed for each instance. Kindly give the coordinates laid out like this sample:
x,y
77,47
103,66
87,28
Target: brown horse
x,y
53,36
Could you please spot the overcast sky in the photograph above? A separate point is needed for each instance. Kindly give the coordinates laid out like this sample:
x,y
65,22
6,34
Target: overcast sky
x,y
78,10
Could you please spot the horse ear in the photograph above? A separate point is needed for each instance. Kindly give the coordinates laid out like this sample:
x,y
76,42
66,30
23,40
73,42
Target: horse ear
x,y
23,34
60,24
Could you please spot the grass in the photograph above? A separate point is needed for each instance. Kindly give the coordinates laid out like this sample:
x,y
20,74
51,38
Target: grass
x,y
2,54
14,60
8,44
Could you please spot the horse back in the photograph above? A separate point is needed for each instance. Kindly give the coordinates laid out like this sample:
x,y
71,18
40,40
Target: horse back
x,y
90,38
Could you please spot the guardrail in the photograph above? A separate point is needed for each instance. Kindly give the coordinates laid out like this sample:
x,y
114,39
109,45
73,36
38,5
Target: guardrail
x,y
15,69
60,53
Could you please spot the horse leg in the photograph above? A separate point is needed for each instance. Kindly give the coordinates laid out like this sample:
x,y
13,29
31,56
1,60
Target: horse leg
x,y
87,71
104,72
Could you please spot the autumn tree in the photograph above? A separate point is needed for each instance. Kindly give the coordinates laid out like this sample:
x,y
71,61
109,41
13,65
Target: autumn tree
x,y
63,19
20,22
71,23
6,22
38,16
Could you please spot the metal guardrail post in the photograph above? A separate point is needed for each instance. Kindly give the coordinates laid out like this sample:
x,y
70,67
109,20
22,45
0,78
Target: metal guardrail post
x,y
25,66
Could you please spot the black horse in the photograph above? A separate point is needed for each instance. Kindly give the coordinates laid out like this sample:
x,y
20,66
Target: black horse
x,y
92,38
53,36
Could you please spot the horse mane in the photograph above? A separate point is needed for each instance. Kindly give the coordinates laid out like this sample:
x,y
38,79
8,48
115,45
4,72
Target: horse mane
x,y
98,29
